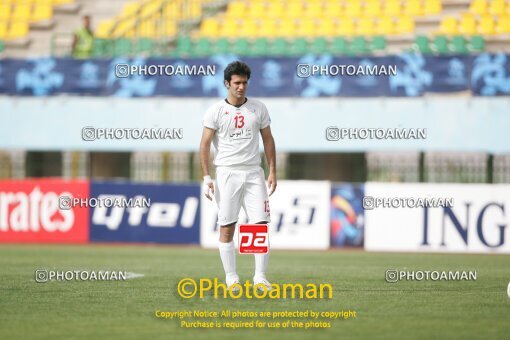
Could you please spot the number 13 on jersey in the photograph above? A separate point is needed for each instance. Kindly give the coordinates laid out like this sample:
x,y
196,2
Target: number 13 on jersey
x,y
239,121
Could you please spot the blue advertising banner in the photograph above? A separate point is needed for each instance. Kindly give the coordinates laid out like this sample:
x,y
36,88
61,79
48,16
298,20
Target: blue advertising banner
x,y
404,75
158,213
347,215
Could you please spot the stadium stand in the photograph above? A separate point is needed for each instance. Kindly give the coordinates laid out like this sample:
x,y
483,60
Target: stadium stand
x,y
273,28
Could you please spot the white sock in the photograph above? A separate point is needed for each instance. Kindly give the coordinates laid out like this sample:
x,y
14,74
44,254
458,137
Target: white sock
x,y
228,258
261,262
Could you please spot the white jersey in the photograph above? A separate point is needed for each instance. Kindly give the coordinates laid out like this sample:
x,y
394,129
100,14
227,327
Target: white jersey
x,y
236,140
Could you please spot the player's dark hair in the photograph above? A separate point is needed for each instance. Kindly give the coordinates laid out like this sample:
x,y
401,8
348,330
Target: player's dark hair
x,y
238,68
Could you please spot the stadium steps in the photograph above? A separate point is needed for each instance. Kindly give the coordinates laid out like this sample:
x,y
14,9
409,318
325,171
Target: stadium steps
x,y
66,18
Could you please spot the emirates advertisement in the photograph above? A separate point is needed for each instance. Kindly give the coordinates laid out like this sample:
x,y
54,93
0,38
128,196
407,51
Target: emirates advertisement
x,y
30,211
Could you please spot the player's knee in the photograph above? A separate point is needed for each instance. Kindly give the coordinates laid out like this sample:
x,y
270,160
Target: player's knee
x,y
227,232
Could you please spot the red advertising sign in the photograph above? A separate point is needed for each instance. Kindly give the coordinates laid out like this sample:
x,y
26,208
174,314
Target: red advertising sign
x,y
253,239
30,211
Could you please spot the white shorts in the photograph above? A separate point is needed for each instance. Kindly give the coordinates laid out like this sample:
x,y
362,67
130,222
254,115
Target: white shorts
x,y
241,188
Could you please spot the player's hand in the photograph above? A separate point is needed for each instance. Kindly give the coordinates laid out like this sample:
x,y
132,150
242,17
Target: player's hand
x,y
208,187
271,183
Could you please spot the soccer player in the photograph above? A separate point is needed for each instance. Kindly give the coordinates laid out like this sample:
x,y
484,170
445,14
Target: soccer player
x,y
233,125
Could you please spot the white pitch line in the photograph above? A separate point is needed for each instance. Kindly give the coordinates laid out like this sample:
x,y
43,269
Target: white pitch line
x,y
130,275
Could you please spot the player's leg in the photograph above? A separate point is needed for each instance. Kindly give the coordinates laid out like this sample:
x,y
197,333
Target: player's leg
x,y
228,195
228,253
256,203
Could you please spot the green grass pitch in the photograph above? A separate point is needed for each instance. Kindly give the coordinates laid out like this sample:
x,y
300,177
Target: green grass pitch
x,y
99,309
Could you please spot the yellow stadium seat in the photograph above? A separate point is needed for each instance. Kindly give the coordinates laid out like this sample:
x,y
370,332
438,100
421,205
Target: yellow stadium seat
x,y
286,28
3,30
413,8
149,9
345,27
326,28
392,8
405,25
18,29
497,7
209,27
229,28
448,26
365,27
172,10
5,12
147,29
503,25
508,7
431,7
103,29
170,28
353,9
314,10
373,9
333,10
20,2
385,26
275,10
248,29
478,7
306,28
257,10
125,28
195,10
467,25
21,12
63,2
130,8
294,10
42,12
486,25
236,9
267,28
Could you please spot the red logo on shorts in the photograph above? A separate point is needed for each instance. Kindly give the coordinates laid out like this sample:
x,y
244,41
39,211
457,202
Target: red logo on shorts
x,y
253,239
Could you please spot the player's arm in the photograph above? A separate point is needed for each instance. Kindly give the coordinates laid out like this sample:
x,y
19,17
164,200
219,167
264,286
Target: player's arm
x,y
270,151
205,151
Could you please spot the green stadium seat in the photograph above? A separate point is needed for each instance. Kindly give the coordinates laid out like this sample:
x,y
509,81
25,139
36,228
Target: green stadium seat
x,y
146,45
221,46
422,44
476,43
260,47
183,47
458,45
298,46
241,46
101,47
338,46
279,47
378,43
359,46
202,47
2,46
440,45
319,45
122,47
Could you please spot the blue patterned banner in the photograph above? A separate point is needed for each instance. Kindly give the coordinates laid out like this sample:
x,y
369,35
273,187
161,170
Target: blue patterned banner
x,y
308,76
